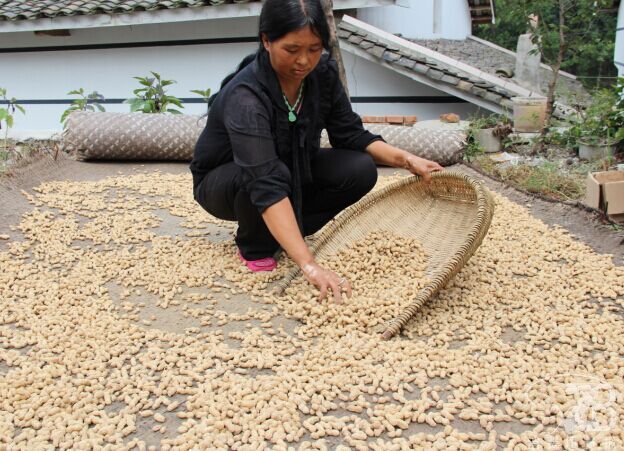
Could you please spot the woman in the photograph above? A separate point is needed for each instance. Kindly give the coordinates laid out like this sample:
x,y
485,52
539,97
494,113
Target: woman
x,y
258,160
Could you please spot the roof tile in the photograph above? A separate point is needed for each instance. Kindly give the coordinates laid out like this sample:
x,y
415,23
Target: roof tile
x,y
16,10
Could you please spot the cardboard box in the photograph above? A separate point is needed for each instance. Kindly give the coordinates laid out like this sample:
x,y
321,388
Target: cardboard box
x,y
605,191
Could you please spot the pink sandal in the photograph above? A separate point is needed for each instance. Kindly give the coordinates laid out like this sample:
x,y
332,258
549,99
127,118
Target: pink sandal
x,y
264,264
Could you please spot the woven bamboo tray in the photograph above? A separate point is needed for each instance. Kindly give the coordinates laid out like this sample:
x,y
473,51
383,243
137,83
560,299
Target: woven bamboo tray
x,y
449,216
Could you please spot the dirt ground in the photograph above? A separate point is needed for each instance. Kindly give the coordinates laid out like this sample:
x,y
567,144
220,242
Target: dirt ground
x,y
604,239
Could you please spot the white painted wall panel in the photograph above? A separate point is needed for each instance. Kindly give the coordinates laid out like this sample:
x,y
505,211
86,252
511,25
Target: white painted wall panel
x,y
422,19
222,28
52,74
619,42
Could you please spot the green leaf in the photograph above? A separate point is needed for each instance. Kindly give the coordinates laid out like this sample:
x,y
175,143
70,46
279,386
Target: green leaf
x,y
175,101
9,121
64,115
100,107
21,108
172,111
75,92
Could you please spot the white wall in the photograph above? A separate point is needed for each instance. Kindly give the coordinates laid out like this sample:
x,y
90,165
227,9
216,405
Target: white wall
x,y
49,75
619,42
422,19
366,78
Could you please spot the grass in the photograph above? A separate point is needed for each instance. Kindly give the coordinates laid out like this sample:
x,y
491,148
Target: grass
x,y
13,153
547,178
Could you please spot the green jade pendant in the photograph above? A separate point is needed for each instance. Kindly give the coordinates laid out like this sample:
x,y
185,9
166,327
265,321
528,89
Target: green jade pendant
x,y
292,117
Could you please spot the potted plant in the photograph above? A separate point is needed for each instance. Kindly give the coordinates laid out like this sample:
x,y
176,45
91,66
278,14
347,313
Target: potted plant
x,y
601,126
489,132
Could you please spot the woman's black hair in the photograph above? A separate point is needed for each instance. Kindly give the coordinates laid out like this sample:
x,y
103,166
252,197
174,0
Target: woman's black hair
x,y
280,17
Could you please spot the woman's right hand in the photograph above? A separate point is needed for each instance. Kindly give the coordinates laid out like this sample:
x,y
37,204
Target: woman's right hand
x,y
324,279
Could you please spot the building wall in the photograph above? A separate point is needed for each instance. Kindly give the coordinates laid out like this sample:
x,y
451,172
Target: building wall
x,y
619,42
41,78
422,19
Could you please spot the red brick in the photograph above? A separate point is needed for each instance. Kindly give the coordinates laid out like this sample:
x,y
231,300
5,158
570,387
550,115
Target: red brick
x,y
373,119
409,120
394,119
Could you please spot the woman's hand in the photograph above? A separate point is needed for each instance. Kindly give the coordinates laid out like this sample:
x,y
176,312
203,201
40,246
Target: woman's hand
x,y
422,167
325,279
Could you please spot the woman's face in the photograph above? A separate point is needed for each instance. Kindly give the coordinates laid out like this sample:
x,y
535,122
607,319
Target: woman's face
x,y
295,54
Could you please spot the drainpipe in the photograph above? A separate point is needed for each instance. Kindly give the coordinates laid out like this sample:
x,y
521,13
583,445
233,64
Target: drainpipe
x,y
618,57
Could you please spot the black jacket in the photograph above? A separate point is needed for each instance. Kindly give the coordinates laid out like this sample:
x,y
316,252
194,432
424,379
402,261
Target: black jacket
x,y
248,124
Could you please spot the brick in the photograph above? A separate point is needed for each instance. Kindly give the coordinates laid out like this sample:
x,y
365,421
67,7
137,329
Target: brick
x,y
464,85
353,39
406,62
479,91
506,103
348,27
450,79
374,119
421,68
377,51
450,118
409,120
435,74
391,56
501,91
493,97
343,34
394,119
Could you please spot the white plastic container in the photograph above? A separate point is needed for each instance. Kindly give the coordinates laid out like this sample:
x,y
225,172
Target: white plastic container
x,y
529,114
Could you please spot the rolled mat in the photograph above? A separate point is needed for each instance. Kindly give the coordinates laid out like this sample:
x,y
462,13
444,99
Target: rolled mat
x,y
140,136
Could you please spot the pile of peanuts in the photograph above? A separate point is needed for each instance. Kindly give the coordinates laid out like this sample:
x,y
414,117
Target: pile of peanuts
x,y
385,271
116,334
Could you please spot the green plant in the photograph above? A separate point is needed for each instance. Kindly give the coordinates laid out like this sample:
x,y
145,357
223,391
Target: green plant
x,y
6,115
204,94
500,124
152,97
591,60
545,178
89,102
603,121
473,148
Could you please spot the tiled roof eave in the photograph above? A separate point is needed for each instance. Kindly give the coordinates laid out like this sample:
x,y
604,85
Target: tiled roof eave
x,y
451,76
21,12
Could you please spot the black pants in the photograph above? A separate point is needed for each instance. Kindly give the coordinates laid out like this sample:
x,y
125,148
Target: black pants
x,y
341,178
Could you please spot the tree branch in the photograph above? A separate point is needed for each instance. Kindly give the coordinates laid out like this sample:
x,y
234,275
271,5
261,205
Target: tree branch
x,y
328,8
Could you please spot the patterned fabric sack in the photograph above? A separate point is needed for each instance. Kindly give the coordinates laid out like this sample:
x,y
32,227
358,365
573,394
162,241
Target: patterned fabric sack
x,y
132,136
445,147
140,136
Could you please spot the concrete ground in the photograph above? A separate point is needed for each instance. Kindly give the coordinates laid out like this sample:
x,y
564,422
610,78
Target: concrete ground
x,y
582,225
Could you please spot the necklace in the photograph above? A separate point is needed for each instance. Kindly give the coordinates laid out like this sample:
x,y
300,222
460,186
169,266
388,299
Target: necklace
x,y
292,117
